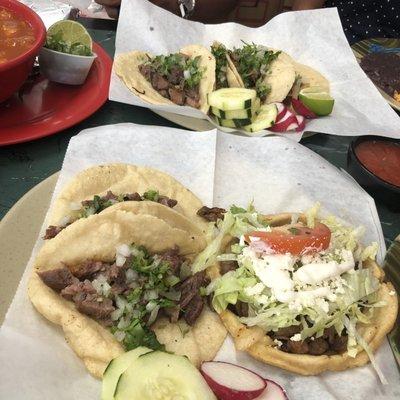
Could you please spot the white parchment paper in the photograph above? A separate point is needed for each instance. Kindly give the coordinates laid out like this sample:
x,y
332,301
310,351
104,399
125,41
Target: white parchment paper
x,y
37,364
313,37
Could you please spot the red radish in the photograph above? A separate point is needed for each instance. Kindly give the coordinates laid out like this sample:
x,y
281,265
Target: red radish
x,y
281,111
301,122
231,382
301,109
273,392
289,121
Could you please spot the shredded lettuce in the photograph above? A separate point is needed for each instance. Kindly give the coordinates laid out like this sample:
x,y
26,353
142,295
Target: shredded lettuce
x,y
237,222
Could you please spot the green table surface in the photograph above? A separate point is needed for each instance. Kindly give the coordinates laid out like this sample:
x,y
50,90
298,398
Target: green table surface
x,y
23,166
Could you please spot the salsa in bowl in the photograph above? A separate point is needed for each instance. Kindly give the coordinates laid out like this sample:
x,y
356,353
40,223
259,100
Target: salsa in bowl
x,y
22,34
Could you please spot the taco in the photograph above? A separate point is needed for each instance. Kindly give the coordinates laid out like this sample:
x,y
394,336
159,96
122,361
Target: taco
x,y
272,73
105,186
119,280
183,78
299,293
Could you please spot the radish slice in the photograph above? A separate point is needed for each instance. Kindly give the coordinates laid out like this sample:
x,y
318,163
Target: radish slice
x,y
282,109
231,382
301,109
273,392
287,123
301,122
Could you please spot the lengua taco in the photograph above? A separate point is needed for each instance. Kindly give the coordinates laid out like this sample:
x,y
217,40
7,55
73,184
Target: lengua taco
x,y
183,78
299,293
272,73
108,186
119,280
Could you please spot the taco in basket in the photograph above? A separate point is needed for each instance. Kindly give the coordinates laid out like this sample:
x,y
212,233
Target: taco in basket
x,y
119,280
298,293
107,186
272,73
183,78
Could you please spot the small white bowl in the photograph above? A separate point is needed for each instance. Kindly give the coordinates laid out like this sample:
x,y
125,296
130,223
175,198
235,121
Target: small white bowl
x,y
65,68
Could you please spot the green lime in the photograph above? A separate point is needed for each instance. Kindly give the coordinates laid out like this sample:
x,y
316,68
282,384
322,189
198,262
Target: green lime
x,y
71,32
317,100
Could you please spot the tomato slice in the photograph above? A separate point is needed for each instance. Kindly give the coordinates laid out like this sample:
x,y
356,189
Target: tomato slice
x,y
295,240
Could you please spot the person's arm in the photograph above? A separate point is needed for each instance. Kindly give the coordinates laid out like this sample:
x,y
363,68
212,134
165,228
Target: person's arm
x,y
203,11
307,4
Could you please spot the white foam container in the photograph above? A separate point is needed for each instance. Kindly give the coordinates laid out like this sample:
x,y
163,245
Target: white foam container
x,y
65,68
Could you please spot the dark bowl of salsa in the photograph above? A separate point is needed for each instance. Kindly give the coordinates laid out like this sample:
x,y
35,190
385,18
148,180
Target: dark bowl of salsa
x,y
374,162
22,34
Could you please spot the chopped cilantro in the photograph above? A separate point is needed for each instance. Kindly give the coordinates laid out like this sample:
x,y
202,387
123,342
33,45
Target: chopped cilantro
x,y
136,335
252,63
294,231
187,68
219,51
56,42
151,195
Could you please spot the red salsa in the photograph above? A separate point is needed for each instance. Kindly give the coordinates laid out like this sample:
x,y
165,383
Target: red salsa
x,y
382,158
16,35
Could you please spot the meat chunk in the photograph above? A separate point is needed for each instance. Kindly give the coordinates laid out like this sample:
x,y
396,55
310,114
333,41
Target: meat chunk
x,y
286,333
242,309
339,343
192,102
212,214
296,347
52,231
177,96
88,268
145,70
96,307
159,82
193,309
175,260
172,313
190,287
57,279
176,75
317,346
132,197
166,201
226,266
78,290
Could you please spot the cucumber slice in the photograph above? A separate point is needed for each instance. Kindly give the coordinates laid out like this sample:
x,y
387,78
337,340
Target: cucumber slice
x,y
234,114
159,375
234,123
237,114
229,99
264,119
115,369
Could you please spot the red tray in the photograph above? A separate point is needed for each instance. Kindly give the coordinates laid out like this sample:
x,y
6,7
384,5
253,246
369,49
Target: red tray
x,y
42,108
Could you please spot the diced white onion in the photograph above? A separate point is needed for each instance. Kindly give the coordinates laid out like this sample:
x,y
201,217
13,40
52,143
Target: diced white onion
x,y
131,275
135,314
123,323
120,260
65,220
119,335
153,315
121,302
75,206
101,285
117,314
150,306
151,295
186,74
123,250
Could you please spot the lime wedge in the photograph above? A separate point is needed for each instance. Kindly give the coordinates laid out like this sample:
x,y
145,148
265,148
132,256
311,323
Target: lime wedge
x,y
317,100
71,32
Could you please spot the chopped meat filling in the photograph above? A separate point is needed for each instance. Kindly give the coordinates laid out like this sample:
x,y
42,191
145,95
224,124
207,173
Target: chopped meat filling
x,y
329,343
100,203
212,214
175,77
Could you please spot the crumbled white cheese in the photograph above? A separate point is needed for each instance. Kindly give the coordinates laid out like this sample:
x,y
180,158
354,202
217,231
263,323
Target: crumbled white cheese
x,y
278,342
316,272
296,337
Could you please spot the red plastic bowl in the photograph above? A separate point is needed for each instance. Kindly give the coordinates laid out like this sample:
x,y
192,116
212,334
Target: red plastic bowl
x,y
13,73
